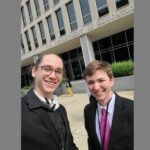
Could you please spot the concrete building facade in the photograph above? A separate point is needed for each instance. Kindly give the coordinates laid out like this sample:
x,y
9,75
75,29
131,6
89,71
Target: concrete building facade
x,y
79,31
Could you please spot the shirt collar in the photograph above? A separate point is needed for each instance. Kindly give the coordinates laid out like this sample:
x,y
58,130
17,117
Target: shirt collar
x,y
52,102
110,107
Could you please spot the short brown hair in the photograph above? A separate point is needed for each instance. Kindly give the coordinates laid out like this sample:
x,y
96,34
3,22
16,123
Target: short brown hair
x,y
39,60
98,65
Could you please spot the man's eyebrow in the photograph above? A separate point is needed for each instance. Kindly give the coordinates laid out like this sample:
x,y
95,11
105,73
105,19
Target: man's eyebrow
x,y
52,67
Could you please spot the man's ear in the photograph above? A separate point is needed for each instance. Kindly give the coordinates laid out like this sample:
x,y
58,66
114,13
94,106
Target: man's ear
x,y
33,71
112,81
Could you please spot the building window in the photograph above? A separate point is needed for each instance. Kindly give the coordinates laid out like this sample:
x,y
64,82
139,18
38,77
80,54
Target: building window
x,y
28,40
46,4
42,32
85,11
26,77
74,64
102,7
56,1
22,45
50,27
72,16
30,11
60,22
117,47
23,16
37,6
121,3
34,37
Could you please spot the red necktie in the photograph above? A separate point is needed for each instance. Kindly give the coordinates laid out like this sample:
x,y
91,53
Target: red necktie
x,y
107,133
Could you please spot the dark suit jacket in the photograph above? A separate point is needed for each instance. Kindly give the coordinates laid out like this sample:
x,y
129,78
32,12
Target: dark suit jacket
x,y
37,130
121,134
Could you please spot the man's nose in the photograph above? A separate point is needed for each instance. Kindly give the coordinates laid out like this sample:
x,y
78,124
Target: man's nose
x,y
96,86
52,75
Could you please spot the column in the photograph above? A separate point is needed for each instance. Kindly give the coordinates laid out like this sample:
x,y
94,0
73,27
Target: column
x,y
111,5
55,25
38,35
87,49
31,39
33,9
93,10
78,13
25,43
66,19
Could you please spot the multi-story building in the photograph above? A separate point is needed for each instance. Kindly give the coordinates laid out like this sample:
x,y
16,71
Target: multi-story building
x,y
78,30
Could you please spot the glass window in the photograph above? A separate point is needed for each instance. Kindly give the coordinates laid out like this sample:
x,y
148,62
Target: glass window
x,y
28,40
118,38
96,46
60,22
50,27
121,3
34,36
85,11
69,72
65,56
74,63
116,47
22,45
102,7
73,53
82,65
72,17
76,70
130,35
46,4
80,52
98,56
37,6
105,43
42,32
56,1
121,54
23,16
131,49
108,56
30,11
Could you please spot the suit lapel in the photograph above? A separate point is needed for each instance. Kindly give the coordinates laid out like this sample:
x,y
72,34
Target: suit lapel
x,y
92,124
40,109
117,122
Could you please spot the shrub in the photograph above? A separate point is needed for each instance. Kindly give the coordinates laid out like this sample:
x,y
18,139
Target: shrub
x,y
63,81
25,88
124,68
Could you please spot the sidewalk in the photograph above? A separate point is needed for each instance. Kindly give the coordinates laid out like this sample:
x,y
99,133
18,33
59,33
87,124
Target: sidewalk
x,y
74,106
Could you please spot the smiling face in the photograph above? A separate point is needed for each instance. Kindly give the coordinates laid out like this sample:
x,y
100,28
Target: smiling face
x,y
99,85
47,83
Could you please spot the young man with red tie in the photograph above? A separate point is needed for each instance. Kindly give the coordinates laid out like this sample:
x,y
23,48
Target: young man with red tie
x,y
108,120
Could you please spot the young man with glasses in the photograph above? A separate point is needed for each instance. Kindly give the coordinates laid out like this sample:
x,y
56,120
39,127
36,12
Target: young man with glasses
x,y
45,125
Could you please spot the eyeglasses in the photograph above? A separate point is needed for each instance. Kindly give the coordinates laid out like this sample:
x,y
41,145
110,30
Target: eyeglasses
x,y
47,70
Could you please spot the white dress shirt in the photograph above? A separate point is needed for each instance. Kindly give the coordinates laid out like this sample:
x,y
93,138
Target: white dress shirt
x,y
110,115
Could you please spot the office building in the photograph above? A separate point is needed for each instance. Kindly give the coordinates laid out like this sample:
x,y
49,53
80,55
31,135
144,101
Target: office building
x,y
79,31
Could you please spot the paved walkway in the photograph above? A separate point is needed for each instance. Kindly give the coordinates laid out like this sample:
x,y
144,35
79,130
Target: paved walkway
x,y
75,106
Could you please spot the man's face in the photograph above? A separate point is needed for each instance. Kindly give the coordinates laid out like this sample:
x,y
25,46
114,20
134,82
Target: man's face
x,y
99,85
48,76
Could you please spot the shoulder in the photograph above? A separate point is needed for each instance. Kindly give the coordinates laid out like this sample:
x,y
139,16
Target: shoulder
x,y
89,107
124,100
62,108
125,103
